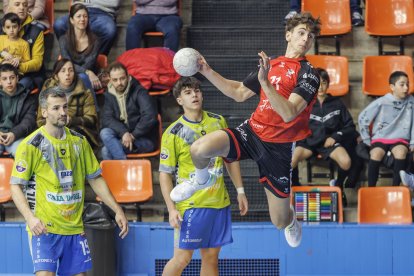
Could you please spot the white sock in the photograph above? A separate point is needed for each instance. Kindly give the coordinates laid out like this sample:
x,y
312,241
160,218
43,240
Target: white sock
x,y
202,175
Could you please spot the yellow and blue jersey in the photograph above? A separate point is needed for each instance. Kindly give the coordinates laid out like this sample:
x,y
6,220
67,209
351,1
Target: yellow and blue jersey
x,y
175,159
53,172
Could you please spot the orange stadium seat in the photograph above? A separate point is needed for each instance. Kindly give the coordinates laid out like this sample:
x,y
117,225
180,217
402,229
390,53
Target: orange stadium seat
x,y
130,181
154,153
6,165
335,17
333,207
337,68
377,70
50,13
385,205
389,18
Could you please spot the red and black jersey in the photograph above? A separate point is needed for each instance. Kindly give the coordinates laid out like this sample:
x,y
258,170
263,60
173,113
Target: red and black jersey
x,y
287,75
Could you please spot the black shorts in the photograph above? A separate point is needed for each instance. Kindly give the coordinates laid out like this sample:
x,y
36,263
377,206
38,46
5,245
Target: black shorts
x,y
386,147
273,159
319,149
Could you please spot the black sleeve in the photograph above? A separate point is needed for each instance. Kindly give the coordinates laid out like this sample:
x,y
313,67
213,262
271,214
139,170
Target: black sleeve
x,y
307,85
252,82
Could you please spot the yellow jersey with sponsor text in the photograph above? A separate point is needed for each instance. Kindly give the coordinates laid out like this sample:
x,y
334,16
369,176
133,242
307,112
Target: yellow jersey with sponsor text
x,y
175,159
53,172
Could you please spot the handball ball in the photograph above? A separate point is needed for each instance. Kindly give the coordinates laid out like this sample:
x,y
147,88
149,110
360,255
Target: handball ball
x,y
186,62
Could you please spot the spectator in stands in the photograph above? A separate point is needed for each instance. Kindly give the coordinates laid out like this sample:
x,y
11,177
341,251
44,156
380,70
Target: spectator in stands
x,y
102,21
333,134
204,220
159,15
129,116
356,12
80,45
36,9
392,120
17,110
52,165
14,50
33,34
81,114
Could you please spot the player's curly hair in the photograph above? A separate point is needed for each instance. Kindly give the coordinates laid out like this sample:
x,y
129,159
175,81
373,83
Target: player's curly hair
x,y
185,82
314,24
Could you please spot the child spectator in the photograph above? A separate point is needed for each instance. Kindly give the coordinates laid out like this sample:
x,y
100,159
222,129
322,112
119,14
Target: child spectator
x,y
391,118
333,134
14,50
17,110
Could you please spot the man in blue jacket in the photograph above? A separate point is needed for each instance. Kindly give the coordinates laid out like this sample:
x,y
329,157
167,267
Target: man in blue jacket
x,y
129,116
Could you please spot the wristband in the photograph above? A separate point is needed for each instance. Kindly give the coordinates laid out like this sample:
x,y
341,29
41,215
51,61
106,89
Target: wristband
x,y
240,190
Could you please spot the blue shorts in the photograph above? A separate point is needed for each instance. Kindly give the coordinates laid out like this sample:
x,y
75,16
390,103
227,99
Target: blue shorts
x,y
204,228
68,254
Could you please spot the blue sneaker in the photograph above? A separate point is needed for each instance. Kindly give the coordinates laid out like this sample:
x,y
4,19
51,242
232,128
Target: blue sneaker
x,y
187,188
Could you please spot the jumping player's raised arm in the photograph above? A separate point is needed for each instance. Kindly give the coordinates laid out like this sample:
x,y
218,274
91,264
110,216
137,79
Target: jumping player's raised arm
x,y
232,89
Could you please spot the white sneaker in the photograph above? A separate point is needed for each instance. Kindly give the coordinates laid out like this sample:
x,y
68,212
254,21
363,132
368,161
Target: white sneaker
x,y
332,182
407,179
293,232
187,188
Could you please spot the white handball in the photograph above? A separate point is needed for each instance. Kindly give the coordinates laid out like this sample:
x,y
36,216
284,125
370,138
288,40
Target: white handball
x,y
186,62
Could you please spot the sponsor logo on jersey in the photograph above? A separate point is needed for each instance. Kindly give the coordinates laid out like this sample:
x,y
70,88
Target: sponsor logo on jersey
x,y
64,198
21,166
164,154
65,176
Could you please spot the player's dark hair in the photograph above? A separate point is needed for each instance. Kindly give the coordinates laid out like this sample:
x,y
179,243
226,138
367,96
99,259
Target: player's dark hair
x,y
185,82
395,76
323,74
314,24
7,67
12,17
50,92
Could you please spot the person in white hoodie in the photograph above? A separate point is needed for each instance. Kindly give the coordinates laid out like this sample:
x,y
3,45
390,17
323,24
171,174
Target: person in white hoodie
x,y
391,118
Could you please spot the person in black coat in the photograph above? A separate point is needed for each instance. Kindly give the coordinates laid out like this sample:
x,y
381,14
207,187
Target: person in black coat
x,y
129,116
333,134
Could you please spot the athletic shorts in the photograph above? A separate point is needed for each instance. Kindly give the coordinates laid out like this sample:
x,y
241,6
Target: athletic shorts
x,y
204,228
387,147
66,254
319,149
273,159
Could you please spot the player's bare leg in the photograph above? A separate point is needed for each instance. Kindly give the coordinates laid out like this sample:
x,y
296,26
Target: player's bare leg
x,y
178,263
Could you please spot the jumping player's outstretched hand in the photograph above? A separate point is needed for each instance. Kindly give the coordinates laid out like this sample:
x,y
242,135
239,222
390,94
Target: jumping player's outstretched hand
x,y
264,67
175,219
243,204
122,222
204,67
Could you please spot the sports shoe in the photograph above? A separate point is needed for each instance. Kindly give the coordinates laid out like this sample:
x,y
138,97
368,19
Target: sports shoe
x,y
332,182
293,232
407,179
187,188
357,19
